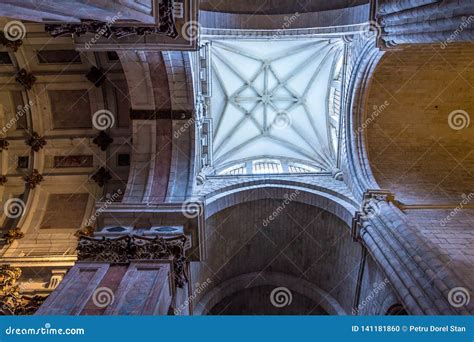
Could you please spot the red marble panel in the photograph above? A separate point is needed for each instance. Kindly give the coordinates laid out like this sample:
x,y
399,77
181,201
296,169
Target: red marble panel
x,y
145,290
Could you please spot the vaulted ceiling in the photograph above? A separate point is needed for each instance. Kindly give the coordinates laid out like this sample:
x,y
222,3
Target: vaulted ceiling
x,y
271,99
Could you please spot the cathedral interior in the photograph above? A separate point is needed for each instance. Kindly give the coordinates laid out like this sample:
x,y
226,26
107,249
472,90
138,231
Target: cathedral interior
x,y
219,157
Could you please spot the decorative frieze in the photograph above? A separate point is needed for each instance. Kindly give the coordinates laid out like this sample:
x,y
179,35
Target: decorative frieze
x,y
130,247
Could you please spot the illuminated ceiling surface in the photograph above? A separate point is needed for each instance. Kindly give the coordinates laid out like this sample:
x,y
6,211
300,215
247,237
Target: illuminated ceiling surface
x,y
270,99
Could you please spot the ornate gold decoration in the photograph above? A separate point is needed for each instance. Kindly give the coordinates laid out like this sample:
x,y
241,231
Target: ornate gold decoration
x,y
130,247
3,179
11,301
86,231
8,277
33,179
25,79
12,235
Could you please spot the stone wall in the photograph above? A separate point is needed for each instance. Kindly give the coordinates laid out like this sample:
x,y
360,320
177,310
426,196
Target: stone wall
x,y
413,150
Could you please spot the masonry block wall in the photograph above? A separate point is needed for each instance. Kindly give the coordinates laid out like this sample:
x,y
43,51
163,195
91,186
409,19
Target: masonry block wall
x,y
413,150
421,145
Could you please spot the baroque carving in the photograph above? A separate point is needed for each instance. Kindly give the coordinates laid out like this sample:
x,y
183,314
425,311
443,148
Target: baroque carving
x,y
3,180
25,79
105,250
11,301
35,141
127,248
86,231
12,235
33,179
167,26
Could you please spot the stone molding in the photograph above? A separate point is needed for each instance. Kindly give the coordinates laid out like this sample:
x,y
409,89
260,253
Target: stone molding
x,y
127,248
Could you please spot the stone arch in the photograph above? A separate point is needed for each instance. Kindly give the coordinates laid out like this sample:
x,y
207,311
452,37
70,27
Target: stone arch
x,y
363,67
328,199
240,235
